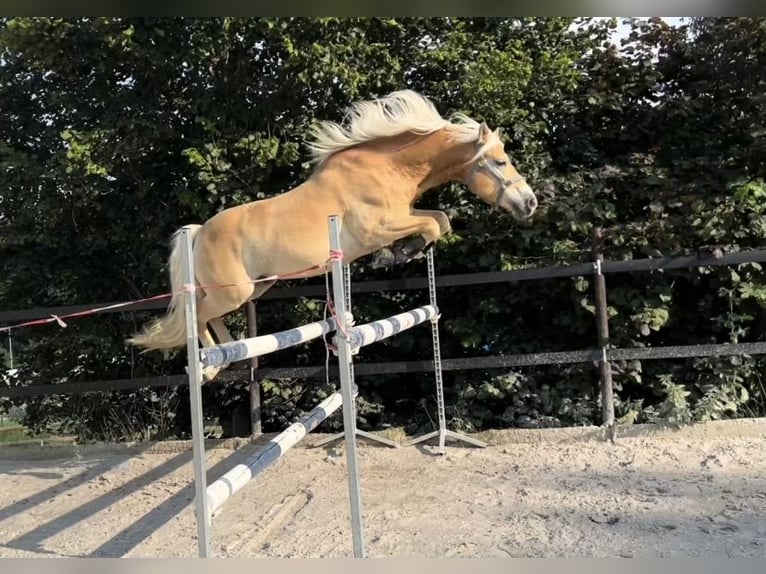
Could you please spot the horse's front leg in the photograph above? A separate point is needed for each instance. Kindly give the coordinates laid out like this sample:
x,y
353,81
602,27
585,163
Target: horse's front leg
x,y
414,247
413,234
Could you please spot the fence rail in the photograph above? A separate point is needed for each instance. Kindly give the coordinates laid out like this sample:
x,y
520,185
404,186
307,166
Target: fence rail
x,y
399,367
455,280
601,356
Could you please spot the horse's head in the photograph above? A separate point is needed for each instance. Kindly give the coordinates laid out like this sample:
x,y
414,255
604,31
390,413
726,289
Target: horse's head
x,y
492,177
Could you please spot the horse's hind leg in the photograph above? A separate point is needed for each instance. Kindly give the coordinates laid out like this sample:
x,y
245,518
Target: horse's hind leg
x,y
222,335
218,327
206,339
214,305
210,309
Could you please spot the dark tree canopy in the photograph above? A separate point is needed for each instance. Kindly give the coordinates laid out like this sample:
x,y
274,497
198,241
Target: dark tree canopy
x,y
116,131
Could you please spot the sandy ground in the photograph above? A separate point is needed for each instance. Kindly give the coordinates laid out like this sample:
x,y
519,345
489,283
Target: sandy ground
x,y
673,494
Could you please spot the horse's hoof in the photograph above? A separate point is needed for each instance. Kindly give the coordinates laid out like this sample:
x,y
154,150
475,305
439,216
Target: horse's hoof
x,y
383,258
210,373
401,258
405,250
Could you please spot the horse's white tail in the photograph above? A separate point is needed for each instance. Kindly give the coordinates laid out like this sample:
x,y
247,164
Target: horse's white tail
x,y
169,331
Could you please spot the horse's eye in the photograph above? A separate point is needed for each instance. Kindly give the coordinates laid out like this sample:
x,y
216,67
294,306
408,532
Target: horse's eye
x,y
501,162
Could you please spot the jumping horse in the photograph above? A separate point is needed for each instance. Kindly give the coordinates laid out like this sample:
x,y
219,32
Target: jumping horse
x,y
370,169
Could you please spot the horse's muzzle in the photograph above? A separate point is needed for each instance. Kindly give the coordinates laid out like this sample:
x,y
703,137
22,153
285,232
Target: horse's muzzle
x,y
530,204
520,201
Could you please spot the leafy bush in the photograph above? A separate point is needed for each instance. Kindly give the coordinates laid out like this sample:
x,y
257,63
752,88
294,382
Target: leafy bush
x,y
159,122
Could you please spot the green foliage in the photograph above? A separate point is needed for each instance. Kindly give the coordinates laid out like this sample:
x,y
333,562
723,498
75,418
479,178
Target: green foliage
x,y
117,416
516,399
116,131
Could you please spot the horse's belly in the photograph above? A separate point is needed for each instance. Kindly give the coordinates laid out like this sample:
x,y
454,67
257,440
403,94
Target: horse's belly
x,y
295,249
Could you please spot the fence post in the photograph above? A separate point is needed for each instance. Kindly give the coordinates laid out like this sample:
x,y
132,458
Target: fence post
x,y
255,385
602,324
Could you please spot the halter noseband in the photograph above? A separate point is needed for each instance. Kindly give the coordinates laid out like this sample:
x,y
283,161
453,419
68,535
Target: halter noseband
x,y
503,182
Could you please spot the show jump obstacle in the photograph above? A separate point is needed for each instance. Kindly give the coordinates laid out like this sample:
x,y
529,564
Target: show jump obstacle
x,y
349,339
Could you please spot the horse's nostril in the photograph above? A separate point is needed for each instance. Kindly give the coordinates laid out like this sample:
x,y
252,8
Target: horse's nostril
x,y
531,204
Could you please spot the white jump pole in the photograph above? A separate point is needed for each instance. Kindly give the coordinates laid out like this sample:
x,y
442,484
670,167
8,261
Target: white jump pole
x,y
265,344
224,488
209,499
363,335
349,406
194,371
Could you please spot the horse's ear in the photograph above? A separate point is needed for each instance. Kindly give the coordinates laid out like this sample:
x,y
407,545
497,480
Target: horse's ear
x,y
484,133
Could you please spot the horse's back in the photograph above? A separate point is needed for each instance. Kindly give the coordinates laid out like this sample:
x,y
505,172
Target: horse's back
x,y
282,234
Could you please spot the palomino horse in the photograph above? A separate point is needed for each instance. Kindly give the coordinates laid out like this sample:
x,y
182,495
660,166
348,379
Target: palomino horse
x,y
369,173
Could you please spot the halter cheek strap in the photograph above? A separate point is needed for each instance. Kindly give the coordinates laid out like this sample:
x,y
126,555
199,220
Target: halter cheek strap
x,y
503,182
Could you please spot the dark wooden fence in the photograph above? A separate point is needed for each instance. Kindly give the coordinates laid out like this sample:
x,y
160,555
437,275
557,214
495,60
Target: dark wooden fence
x,y
602,353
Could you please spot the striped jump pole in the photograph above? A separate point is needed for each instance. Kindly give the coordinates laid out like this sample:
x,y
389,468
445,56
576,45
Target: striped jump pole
x,y
208,499
363,335
224,488
265,344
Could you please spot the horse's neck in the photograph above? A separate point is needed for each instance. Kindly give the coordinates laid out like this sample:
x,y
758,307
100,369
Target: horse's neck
x,y
419,162
435,159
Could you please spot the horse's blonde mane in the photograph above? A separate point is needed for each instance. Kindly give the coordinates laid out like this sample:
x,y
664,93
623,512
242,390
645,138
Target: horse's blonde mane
x,y
394,114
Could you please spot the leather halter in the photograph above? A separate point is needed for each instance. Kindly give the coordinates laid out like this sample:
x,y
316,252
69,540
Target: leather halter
x,y
503,182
